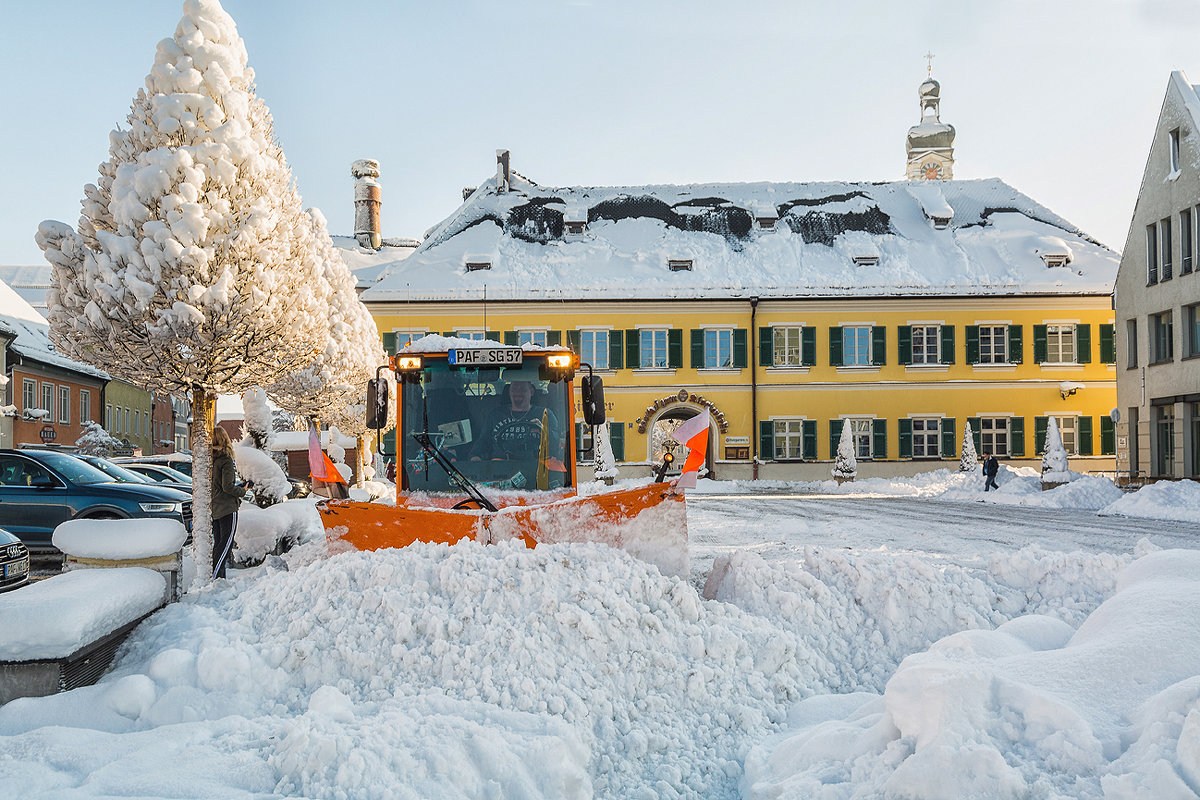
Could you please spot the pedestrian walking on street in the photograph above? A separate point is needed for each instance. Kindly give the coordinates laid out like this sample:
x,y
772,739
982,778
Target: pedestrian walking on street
x,y
226,499
991,466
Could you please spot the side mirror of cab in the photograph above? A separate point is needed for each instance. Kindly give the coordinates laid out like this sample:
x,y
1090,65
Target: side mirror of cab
x,y
591,388
377,404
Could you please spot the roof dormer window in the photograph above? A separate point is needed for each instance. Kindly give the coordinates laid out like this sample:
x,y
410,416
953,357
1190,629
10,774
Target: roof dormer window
x,y
1056,259
475,266
679,265
767,223
1173,140
940,223
866,260
574,228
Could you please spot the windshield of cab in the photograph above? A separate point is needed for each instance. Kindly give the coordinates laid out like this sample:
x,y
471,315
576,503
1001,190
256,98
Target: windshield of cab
x,y
502,427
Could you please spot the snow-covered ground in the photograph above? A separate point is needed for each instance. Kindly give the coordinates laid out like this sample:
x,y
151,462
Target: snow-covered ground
x,y
878,639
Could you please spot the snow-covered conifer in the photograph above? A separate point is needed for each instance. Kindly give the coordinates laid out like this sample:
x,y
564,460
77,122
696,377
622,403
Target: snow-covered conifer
x,y
605,463
969,462
845,466
96,441
1055,467
194,269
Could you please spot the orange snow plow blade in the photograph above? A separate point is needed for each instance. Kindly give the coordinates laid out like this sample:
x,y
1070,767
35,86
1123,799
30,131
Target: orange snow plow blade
x,y
648,522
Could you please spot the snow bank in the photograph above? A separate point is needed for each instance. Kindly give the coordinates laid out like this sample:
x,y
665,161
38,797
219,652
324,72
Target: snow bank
x,y
1178,500
100,601
1031,709
257,467
120,539
260,530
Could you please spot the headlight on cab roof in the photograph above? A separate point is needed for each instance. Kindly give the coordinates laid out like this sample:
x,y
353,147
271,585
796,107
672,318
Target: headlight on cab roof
x,y
408,362
161,508
559,360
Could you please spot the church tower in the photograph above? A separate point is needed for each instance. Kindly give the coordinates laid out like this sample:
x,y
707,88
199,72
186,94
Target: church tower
x,y
930,144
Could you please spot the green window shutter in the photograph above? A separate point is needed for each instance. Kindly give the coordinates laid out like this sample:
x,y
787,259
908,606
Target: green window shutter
x,y
977,435
948,344
904,344
389,342
766,346
1108,345
905,432
616,349
949,439
766,439
1016,436
1016,346
553,338
675,348
1041,428
972,344
510,338
449,334
697,349
835,433
1039,344
878,345
1085,436
575,340
808,350
741,358
633,341
809,442
616,439
1108,437
879,439
835,351
1083,344
493,336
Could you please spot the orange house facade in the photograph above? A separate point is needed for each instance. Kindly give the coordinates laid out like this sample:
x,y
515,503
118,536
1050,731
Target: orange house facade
x,y
52,404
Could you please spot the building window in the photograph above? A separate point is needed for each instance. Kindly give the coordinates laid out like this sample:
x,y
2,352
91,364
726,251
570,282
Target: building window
x,y
108,418
48,398
1162,337
1060,344
64,405
1185,242
860,435
1191,318
926,439
1131,343
474,336
1067,427
1165,245
1164,433
789,439
718,348
537,338
128,430
993,344
1173,142
786,347
653,348
925,342
1151,254
85,406
856,346
993,436
593,348
405,338
28,394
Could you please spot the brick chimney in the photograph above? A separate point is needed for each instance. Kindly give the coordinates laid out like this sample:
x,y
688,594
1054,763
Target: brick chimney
x,y
502,172
368,197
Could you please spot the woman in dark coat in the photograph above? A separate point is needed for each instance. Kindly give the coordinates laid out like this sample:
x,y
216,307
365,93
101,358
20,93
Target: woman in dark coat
x,y
226,498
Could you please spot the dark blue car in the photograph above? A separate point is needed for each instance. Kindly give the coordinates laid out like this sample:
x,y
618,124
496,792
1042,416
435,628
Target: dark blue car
x,y
39,489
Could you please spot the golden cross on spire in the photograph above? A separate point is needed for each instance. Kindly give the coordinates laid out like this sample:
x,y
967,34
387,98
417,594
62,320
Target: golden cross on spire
x,y
929,58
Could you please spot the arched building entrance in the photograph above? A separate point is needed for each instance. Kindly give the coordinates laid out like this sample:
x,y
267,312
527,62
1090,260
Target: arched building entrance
x,y
667,414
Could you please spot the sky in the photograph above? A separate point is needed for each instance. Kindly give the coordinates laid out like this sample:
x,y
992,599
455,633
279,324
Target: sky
x,y
1057,97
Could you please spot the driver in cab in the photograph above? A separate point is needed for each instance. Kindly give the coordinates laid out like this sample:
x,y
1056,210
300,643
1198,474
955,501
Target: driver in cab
x,y
516,433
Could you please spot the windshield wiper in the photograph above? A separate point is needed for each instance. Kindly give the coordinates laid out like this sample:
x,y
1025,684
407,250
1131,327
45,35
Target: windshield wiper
x,y
466,484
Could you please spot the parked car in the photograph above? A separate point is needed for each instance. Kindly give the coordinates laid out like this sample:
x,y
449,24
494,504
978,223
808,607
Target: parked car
x,y
14,561
39,489
176,461
157,473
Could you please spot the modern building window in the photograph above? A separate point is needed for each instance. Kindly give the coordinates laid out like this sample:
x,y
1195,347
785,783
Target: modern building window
x,y
64,405
593,348
48,398
1193,468
1191,318
1173,144
926,340
1060,344
1151,254
1131,343
1164,434
28,394
926,438
856,346
789,439
993,344
718,348
85,406
1166,245
1162,337
653,348
787,344
993,436
1185,242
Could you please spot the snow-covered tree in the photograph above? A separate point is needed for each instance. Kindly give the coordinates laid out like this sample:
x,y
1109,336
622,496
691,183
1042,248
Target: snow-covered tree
x,y
845,466
194,268
1055,467
969,462
604,462
96,441
257,419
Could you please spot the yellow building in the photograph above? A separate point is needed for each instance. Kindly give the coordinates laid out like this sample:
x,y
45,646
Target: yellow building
x,y
905,309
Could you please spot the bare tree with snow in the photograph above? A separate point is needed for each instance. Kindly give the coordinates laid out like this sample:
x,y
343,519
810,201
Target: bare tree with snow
x,y
845,466
194,268
969,461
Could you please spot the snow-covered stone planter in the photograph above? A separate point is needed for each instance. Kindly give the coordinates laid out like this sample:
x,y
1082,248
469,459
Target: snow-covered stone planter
x,y
155,544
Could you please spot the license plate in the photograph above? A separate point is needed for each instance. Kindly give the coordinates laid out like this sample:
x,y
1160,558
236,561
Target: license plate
x,y
486,356
17,568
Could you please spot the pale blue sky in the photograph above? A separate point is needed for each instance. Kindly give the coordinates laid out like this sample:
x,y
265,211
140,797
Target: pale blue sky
x,y
1057,97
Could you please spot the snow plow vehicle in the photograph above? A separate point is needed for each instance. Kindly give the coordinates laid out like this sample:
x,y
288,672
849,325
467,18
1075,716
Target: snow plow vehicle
x,y
485,450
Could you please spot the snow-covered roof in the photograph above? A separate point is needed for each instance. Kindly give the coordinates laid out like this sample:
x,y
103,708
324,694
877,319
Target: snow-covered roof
x,y
31,281
33,334
989,245
433,343
1190,93
368,264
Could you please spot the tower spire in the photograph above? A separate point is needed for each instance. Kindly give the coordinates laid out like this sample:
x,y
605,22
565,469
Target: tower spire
x,y
930,143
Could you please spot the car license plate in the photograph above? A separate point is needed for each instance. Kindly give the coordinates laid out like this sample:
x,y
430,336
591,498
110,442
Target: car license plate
x,y
486,356
16,568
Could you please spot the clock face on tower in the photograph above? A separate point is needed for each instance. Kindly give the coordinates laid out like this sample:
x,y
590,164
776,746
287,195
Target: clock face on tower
x,y
932,170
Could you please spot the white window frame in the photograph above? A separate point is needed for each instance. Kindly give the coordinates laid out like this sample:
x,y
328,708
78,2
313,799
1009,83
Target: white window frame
x,y
1060,344
787,345
996,351
405,336
473,335
28,394
993,436
64,405
1068,431
1173,147
591,350
930,347
862,435
926,437
127,430
48,400
718,348
856,348
535,338
651,357
85,406
789,437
